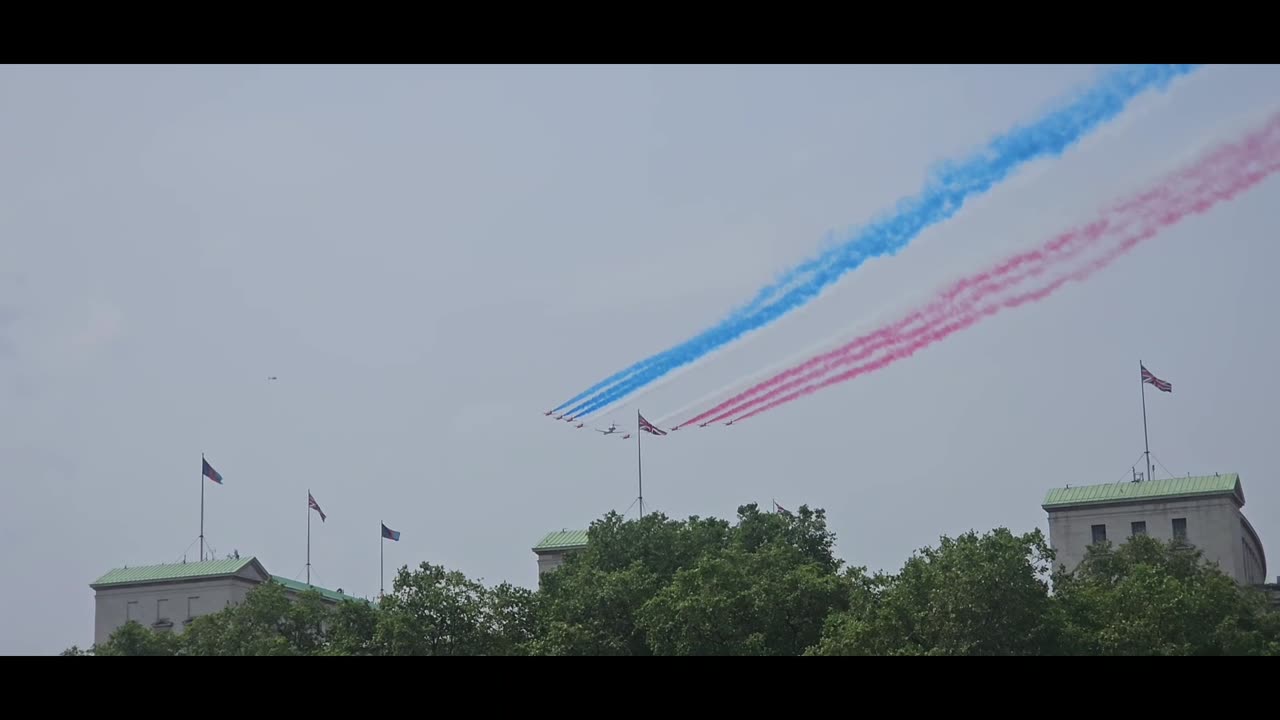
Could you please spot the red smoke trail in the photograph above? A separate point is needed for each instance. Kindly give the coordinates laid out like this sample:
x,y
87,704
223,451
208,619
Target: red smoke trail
x,y
1004,275
1008,273
868,345
1053,255
1221,175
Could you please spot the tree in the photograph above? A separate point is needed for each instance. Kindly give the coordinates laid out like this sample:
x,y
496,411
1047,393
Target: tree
x,y
266,623
772,601
588,605
513,620
805,530
131,639
972,595
767,584
1146,597
699,586
432,611
351,629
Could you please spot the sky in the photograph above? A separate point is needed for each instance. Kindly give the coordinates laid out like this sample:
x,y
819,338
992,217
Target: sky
x,y
428,258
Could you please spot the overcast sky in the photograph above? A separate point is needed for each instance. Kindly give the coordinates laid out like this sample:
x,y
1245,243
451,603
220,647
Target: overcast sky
x,y
430,257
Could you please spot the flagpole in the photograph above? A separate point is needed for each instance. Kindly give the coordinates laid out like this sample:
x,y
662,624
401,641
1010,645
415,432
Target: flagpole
x,y
1145,440
381,544
201,507
639,469
308,537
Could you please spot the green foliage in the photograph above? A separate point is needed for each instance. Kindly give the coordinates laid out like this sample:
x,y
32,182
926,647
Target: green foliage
x,y
351,630
768,584
1151,598
699,586
437,612
805,531
266,623
513,620
972,595
588,606
131,639
738,602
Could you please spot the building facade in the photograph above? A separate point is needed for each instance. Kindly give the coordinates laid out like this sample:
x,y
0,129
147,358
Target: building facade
x,y
1206,512
553,548
168,597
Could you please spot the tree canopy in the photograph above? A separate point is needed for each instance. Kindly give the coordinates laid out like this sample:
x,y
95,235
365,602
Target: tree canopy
x,y
768,583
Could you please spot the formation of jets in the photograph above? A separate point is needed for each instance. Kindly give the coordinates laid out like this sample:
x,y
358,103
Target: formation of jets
x,y
706,424
613,428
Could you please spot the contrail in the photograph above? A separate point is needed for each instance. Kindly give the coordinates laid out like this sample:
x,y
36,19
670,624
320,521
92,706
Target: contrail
x,y
825,344
957,298
1219,176
944,195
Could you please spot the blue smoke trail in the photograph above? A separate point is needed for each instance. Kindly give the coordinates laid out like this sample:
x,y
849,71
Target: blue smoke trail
x,y
946,192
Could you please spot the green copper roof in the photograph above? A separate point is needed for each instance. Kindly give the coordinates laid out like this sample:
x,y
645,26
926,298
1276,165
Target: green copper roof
x,y
563,540
200,570
1228,484
324,592
173,571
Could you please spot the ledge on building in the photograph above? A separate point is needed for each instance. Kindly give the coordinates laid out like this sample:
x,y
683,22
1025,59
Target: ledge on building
x,y
1136,492
247,568
562,541
553,548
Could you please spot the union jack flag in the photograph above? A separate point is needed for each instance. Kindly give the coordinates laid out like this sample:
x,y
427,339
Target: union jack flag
x,y
210,473
649,427
1161,385
311,503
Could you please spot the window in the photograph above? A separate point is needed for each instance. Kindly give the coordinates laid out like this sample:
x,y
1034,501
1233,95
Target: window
x,y
191,606
1180,528
1248,561
1099,533
162,611
132,611
1137,528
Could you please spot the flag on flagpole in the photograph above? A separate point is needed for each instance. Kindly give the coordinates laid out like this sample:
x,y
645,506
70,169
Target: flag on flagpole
x,y
390,534
779,509
1150,379
649,427
210,473
311,502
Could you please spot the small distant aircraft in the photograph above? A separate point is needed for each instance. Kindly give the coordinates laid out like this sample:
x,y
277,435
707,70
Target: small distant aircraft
x,y
560,417
568,419
613,428
548,412
729,423
579,426
624,437
704,424
272,377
